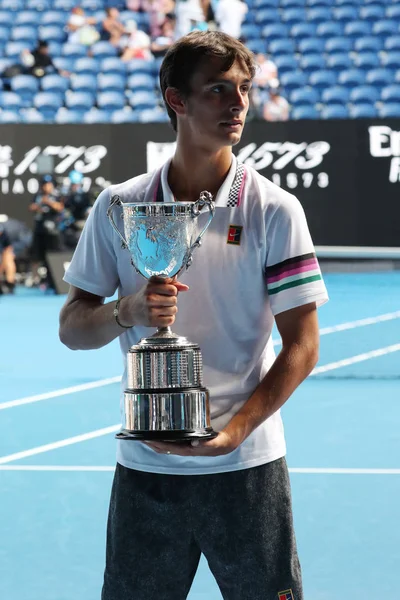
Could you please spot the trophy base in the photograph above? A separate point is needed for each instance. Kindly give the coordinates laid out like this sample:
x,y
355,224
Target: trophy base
x,y
167,436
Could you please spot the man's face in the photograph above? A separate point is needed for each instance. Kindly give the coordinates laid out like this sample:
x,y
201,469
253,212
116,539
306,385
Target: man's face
x,y
217,106
47,187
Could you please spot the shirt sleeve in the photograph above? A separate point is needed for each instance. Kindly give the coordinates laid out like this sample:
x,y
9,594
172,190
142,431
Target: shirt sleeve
x,y
292,272
5,241
93,267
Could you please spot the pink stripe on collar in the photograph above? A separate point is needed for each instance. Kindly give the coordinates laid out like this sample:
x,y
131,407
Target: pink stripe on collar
x,y
242,187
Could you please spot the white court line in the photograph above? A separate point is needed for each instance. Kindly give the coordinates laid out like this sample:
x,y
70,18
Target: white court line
x,y
355,359
61,444
64,392
103,469
94,384
355,324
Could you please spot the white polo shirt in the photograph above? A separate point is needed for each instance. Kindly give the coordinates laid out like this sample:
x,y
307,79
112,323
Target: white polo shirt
x,y
257,260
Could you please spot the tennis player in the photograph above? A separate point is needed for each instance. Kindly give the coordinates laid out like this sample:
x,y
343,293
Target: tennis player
x,y
228,498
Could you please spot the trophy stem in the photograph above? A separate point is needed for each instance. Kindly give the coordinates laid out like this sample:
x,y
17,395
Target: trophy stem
x,y
163,331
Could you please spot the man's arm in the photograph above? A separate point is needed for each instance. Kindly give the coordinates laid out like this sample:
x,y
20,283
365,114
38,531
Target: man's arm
x,y
298,328
86,322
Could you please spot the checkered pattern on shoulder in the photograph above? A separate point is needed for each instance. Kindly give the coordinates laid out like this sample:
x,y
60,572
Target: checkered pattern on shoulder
x,y
234,193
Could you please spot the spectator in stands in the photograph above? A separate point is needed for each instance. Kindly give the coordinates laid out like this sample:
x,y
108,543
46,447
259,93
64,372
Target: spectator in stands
x,y
7,263
158,10
77,204
266,71
82,28
276,108
229,16
46,235
161,43
39,62
189,16
113,30
138,44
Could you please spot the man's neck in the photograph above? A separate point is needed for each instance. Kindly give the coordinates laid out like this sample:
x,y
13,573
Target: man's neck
x,y
194,171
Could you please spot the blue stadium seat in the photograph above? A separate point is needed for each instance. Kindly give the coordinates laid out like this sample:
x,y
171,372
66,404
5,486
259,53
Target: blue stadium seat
x,y
25,86
265,17
304,112
86,65
64,63
322,79
335,95
339,61
79,101
96,115
4,63
392,43
55,49
379,77
54,83
368,44
66,5
363,111
151,67
367,60
10,116
330,29
142,100
393,12
74,50
311,46
293,15
7,18
92,5
48,103
10,101
24,33
286,63
345,14
281,47
84,83
317,3
52,33
256,46
390,110
348,2
385,27
392,60
275,31
14,49
321,14
335,111
301,31
4,34
113,65
155,115
373,12
12,5
40,5
338,44
312,62
305,96
358,29
140,81
260,4
351,78
365,94
291,3
293,80
391,93
54,17
125,116
31,115
102,50
110,100
66,116
27,17
113,82
251,31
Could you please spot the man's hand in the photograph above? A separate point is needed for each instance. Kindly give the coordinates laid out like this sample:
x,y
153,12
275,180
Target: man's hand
x,y
224,443
155,305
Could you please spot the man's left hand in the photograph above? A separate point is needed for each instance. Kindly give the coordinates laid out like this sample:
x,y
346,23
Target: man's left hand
x,y
223,443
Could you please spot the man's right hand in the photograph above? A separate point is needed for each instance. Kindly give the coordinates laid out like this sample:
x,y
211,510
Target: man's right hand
x,y
155,305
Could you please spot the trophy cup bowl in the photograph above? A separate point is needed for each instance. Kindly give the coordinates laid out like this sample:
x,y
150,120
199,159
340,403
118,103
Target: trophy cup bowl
x,y
165,398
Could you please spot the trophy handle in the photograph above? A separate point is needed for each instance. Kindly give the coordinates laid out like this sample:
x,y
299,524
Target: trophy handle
x,y
205,199
116,201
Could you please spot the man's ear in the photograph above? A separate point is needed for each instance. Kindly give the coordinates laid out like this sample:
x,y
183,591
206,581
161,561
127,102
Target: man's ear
x,y
175,101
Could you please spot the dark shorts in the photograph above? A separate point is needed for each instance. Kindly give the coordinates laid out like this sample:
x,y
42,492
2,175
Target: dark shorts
x,y
159,525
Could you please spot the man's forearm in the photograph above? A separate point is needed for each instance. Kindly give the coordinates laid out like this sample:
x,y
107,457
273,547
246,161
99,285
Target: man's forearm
x,y
292,365
86,325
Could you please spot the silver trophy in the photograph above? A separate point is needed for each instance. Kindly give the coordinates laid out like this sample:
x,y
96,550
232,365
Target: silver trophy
x,y
165,398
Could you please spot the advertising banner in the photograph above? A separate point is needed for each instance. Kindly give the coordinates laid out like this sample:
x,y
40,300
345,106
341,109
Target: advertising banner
x,y
346,174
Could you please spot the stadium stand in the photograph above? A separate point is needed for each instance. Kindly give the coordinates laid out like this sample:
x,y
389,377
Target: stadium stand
x,y
335,59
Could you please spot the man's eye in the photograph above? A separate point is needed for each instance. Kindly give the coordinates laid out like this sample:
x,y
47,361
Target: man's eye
x,y
217,89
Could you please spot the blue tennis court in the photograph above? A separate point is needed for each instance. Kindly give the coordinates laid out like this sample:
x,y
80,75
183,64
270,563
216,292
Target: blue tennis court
x,y
59,411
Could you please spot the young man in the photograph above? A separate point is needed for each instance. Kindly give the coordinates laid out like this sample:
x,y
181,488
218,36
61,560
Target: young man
x,y
229,497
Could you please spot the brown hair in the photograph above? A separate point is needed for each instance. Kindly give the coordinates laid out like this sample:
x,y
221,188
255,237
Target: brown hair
x,y
186,54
